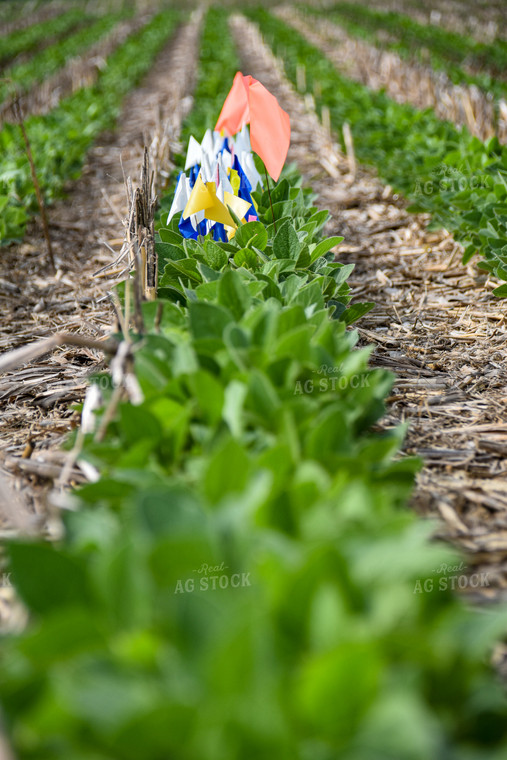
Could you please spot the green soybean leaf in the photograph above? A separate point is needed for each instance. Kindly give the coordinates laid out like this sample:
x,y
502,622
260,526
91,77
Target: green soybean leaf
x,y
286,244
208,320
233,294
46,578
355,312
250,235
216,258
227,471
170,236
246,258
324,246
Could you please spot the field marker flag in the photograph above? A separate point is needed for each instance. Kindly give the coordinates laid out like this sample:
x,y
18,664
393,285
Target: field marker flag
x,y
249,101
223,179
208,143
248,166
235,111
207,173
238,205
194,153
204,198
244,187
181,196
242,142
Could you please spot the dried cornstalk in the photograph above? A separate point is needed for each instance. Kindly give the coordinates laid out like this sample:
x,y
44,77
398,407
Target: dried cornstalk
x,y
40,198
140,237
349,147
13,359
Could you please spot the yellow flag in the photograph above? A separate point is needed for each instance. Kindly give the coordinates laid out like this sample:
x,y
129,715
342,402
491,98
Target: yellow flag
x,y
216,211
235,181
238,205
199,199
204,198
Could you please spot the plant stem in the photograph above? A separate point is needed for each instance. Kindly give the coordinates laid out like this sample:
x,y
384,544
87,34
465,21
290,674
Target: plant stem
x,y
40,198
270,201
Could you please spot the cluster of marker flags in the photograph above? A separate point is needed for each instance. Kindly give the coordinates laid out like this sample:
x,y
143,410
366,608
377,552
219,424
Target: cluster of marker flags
x,y
222,172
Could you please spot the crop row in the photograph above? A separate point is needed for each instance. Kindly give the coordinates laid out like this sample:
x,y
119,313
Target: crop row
x,y
61,138
457,178
483,24
427,44
238,581
412,36
26,40
19,78
404,79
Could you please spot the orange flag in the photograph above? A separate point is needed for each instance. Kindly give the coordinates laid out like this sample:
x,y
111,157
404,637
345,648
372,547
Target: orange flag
x,y
249,101
235,113
269,128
